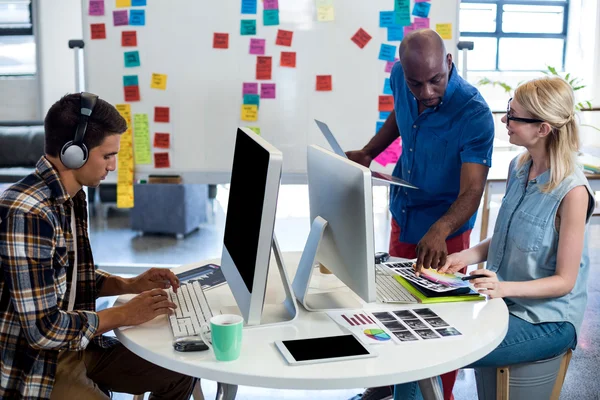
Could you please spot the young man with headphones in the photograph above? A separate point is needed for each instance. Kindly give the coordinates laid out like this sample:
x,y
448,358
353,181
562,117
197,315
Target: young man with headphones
x,y
51,343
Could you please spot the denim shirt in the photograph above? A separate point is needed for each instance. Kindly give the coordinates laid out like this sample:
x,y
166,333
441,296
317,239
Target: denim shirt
x,y
525,245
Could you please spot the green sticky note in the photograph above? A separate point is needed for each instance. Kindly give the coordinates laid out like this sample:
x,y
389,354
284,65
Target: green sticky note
x,y
255,129
130,80
248,27
252,99
402,11
132,59
270,17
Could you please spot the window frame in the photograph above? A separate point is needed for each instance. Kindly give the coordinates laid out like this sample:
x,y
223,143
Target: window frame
x,y
20,31
498,34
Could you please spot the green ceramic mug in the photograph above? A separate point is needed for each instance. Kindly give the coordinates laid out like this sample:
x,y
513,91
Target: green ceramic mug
x,y
226,335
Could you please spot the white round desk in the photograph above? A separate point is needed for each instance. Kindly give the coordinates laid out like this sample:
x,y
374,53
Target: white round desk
x,y
483,325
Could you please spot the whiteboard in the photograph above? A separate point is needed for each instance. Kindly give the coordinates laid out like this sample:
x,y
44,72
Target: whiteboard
x,y
204,86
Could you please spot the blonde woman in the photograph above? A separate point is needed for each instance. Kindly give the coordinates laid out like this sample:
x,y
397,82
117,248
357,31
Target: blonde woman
x,y
537,258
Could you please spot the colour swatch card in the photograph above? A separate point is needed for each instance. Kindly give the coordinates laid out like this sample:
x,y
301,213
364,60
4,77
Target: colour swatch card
x,y
414,325
364,326
432,280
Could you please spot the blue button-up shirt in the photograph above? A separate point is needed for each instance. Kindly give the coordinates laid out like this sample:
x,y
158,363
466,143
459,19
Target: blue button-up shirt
x,y
434,146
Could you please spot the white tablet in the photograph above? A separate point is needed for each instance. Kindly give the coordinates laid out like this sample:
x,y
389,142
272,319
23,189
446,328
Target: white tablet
x,y
323,349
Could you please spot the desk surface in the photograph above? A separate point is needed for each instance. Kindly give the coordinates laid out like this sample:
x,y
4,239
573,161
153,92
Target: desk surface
x,y
483,324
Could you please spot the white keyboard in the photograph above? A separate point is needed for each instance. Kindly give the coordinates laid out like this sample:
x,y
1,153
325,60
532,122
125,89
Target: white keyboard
x,y
388,289
193,313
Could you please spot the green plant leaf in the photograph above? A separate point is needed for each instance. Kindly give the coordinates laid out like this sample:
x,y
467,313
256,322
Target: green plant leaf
x,y
567,77
552,70
578,87
589,104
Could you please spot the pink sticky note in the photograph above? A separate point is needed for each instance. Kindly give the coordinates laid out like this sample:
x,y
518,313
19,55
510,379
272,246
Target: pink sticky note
x,y
250,88
120,18
257,46
409,28
96,7
421,23
391,155
271,4
267,90
389,65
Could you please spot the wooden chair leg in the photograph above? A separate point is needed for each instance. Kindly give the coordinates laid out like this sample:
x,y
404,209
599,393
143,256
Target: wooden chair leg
x,y
485,217
139,397
502,383
562,373
197,393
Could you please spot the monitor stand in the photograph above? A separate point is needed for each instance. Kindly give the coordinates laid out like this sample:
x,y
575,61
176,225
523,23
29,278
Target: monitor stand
x,y
274,314
324,301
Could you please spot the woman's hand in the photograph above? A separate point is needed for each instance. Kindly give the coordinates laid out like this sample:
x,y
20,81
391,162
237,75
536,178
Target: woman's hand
x,y
454,263
490,285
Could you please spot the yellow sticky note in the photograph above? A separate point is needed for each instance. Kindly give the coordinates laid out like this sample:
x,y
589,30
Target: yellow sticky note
x,y
445,30
255,129
324,3
123,3
125,111
249,112
125,197
325,14
159,81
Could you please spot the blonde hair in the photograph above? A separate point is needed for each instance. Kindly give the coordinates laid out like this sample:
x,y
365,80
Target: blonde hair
x,y
552,100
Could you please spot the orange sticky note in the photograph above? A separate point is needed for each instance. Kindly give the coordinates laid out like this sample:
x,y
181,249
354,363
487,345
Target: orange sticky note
x,y
161,114
221,41
161,160
132,93
386,103
361,38
98,31
324,83
263,67
129,38
162,140
284,38
288,59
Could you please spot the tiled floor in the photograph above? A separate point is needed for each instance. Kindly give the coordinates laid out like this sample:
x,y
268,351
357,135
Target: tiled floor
x,y
115,244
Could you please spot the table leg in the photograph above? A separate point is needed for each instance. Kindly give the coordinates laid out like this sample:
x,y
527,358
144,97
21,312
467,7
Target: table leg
x,y
485,216
226,391
431,389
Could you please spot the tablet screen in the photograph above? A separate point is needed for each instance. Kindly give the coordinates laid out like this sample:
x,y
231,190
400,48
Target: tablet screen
x,y
325,347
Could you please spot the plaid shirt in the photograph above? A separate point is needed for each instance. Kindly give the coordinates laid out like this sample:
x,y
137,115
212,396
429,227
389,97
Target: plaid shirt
x,y
36,259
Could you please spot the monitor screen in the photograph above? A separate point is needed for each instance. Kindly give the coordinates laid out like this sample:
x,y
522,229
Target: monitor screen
x,y
245,206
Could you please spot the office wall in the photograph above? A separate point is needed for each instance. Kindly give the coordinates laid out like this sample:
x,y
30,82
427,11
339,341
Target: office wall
x,y
18,99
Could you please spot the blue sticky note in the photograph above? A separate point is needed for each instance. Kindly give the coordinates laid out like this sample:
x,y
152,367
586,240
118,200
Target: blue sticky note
x,y
130,80
252,99
395,33
387,52
384,114
132,59
386,19
402,12
387,88
270,17
378,126
248,6
138,3
421,10
137,17
248,27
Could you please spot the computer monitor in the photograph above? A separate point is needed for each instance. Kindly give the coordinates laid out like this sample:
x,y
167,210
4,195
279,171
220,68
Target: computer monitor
x,y
248,238
341,238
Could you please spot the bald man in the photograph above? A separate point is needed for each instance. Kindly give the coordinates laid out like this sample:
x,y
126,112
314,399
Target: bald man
x,y
447,135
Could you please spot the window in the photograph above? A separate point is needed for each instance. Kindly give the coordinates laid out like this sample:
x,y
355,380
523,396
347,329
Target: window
x,y
17,44
515,35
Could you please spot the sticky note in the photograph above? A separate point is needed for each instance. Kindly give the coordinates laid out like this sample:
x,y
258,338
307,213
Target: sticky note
x,y
387,88
387,19
221,40
288,59
267,90
141,139
387,52
384,114
249,88
361,38
270,17
324,3
124,110
138,3
122,3
254,129
248,27
161,160
132,93
96,7
389,155
263,68
252,99
386,103
162,140
257,46
421,9
161,114
445,30
378,126
395,34
248,6
159,81
98,31
409,28
421,23
120,18
132,59
325,14
249,112
402,12
129,38
271,4
130,80
284,38
389,65
137,17
324,83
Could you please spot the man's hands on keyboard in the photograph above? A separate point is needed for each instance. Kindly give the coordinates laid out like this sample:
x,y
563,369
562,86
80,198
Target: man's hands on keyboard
x,y
146,306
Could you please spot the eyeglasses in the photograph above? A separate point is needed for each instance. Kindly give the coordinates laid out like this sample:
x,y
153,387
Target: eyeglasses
x,y
518,119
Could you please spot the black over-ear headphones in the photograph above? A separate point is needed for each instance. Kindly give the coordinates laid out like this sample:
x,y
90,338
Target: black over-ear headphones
x,y
74,153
